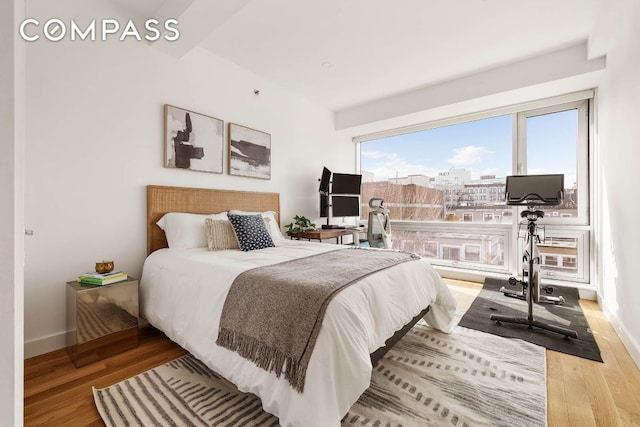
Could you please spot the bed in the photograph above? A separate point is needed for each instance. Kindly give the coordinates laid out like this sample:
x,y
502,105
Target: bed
x,y
182,293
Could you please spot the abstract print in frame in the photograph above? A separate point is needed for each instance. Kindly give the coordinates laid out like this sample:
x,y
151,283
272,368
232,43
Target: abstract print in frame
x,y
192,141
249,152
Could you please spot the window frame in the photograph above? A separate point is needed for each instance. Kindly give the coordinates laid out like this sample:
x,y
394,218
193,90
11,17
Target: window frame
x,y
503,230
582,155
579,226
582,234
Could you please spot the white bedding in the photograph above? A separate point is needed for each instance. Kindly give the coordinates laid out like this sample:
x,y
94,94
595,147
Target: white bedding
x,y
182,293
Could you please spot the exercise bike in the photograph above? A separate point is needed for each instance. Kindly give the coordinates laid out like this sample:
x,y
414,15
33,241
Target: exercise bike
x,y
531,262
531,191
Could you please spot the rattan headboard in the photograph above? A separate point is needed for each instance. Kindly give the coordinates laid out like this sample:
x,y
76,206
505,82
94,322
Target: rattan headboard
x,y
162,199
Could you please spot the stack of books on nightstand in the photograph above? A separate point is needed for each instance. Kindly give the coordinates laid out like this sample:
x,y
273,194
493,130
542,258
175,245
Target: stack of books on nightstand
x,y
98,279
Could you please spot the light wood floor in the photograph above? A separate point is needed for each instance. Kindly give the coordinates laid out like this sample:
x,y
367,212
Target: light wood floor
x,y
580,392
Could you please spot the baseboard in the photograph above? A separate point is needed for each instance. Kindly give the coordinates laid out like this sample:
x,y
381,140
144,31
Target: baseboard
x,y
45,345
459,274
627,340
588,294
56,342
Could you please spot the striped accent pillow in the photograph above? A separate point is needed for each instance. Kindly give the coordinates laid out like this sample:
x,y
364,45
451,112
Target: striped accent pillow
x,y
220,235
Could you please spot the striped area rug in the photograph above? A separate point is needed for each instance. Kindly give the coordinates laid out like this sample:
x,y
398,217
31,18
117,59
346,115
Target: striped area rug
x,y
468,378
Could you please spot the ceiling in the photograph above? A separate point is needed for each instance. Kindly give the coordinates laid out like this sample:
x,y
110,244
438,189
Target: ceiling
x,y
345,53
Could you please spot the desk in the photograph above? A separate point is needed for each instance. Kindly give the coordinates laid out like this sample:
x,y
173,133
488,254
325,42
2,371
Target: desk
x,y
324,233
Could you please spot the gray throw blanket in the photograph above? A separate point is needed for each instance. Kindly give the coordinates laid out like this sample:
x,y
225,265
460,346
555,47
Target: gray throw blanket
x,y
272,314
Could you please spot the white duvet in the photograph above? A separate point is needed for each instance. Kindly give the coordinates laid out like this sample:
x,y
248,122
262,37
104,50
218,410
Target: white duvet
x,y
182,293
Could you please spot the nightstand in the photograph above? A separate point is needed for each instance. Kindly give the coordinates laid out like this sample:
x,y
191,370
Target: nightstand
x,y
101,320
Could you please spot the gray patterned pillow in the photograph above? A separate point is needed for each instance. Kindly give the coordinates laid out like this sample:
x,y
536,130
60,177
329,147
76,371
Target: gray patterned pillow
x,y
220,234
251,232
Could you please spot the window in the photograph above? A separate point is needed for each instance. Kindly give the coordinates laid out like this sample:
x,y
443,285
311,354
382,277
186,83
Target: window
x,y
472,253
569,262
484,251
554,140
430,249
464,163
568,248
451,253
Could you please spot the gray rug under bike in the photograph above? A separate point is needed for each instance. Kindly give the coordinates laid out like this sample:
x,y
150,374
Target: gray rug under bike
x,y
568,315
467,378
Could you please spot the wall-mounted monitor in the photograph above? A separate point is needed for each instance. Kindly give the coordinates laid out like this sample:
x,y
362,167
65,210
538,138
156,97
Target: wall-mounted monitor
x,y
344,183
345,206
324,181
534,189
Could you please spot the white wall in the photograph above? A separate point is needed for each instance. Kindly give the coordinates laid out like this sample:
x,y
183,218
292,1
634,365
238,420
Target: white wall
x,y
562,64
618,151
11,213
95,140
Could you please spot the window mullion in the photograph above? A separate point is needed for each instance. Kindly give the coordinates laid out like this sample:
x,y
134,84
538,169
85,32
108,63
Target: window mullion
x,y
519,168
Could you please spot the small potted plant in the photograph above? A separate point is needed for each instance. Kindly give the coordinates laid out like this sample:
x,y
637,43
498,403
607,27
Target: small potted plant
x,y
300,224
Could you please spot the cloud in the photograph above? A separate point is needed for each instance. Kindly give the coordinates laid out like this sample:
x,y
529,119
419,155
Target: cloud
x,y
389,165
374,155
466,156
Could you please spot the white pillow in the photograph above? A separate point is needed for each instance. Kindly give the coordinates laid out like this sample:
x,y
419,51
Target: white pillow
x,y
186,230
270,222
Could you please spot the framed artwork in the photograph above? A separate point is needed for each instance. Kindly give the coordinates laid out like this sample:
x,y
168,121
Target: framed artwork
x,y
249,152
192,141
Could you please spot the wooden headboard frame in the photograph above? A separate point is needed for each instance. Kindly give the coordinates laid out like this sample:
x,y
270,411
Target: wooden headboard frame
x,y
162,199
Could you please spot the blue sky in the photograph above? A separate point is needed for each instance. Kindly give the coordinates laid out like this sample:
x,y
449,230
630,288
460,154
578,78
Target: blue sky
x,y
483,146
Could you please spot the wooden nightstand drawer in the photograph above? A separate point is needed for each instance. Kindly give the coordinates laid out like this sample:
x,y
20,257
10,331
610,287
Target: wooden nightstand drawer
x,y
101,320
